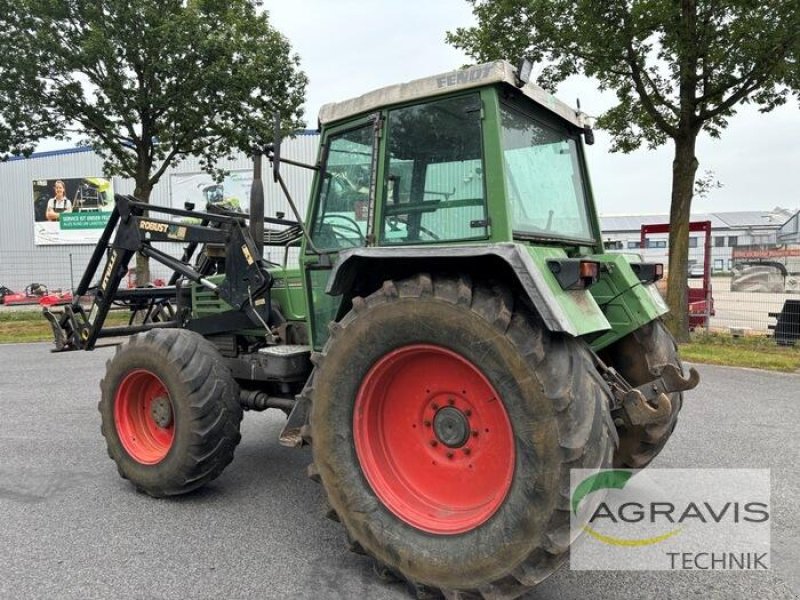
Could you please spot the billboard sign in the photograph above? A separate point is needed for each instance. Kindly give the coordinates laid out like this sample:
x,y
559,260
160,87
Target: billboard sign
x,y
71,210
769,269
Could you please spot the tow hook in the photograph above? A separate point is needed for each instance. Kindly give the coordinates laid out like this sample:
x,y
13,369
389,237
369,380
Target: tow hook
x,y
650,403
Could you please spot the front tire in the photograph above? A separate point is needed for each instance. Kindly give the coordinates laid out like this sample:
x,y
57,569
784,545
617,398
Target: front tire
x,y
170,411
511,409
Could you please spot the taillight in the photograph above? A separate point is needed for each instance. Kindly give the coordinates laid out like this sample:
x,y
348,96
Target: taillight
x,y
574,273
589,270
648,272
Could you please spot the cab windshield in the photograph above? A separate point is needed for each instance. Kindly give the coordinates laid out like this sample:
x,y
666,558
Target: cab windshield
x,y
544,180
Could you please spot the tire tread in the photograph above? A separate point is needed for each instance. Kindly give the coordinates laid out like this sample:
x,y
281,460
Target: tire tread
x,y
586,433
213,402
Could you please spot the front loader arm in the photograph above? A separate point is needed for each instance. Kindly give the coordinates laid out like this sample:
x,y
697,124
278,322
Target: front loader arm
x,y
245,286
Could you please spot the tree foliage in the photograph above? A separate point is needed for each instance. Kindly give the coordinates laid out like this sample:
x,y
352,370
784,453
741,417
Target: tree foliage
x,y
677,67
146,83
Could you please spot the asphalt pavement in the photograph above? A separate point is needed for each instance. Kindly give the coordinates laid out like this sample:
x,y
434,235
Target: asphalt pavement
x,y
70,527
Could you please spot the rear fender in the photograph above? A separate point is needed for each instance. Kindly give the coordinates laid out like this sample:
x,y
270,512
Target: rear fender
x,y
360,271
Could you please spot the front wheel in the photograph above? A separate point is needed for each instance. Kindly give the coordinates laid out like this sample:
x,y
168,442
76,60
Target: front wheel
x,y
170,411
445,421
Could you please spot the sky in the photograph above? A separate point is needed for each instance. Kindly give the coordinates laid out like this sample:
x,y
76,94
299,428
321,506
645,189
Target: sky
x,y
349,47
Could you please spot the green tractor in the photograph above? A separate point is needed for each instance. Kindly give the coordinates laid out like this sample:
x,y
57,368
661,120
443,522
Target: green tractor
x,y
454,341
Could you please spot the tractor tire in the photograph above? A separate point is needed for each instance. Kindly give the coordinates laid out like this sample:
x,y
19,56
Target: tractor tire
x,y
170,411
640,357
444,424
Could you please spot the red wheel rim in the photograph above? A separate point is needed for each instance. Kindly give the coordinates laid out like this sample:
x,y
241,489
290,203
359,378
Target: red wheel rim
x,y
409,424
143,417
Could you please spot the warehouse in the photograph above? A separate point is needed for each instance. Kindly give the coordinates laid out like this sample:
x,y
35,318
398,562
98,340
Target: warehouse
x,y
38,246
33,250
728,230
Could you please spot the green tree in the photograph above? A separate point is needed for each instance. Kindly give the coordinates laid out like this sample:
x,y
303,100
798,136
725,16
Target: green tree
x,y
678,68
146,83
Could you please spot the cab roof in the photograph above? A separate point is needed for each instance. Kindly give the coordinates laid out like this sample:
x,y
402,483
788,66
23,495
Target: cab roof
x,y
498,72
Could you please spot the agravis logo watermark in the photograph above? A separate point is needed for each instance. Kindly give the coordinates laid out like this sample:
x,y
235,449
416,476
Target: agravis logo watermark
x,y
670,519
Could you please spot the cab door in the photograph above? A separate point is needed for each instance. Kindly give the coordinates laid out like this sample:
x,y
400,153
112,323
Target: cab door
x,y
341,215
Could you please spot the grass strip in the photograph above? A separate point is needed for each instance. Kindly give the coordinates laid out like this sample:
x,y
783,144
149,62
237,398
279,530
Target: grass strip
x,y
20,326
757,352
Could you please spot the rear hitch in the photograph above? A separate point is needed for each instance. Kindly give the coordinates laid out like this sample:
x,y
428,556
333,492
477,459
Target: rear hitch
x,y
648,403
641,411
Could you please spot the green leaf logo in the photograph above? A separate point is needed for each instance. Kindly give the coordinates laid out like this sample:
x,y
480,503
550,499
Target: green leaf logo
x,y
604,480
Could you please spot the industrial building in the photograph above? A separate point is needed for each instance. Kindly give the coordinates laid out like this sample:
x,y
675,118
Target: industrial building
x,y
34,248
728,230
30,251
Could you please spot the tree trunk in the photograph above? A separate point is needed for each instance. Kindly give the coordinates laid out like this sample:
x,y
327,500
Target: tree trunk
x,y
684,168
142,193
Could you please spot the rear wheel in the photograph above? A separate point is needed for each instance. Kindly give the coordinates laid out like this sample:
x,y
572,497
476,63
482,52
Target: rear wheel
x,y
170,411
444,423
641,357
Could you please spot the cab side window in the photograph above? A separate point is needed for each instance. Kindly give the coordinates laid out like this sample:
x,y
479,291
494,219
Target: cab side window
x,y
434,186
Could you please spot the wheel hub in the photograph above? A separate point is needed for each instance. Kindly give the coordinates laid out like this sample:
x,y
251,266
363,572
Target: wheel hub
x,y
451,427
161,411
433,439
143,417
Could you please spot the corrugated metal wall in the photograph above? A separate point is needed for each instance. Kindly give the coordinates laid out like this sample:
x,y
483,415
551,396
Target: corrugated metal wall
x,y
22,262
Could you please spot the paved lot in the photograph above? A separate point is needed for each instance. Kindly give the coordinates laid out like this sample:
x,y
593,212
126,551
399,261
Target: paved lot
x,y
71,528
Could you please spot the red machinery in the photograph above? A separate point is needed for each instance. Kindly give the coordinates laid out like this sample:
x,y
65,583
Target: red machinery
x,y
701,301
36,293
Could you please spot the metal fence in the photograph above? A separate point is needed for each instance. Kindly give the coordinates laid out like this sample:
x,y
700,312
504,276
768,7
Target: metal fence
x,y
64,266
752,258
62,269
748,284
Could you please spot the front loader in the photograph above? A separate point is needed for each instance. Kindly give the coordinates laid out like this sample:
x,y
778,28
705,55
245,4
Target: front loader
x,y
454,341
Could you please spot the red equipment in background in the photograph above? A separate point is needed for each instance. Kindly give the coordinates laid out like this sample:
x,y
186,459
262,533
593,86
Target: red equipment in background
x,y
701,301
36,293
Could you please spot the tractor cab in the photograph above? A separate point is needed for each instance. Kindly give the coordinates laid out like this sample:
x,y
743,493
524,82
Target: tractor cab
x,y
465,157
474,167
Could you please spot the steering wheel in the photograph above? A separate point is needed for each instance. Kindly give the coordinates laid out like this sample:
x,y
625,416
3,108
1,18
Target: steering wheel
x,y
349,225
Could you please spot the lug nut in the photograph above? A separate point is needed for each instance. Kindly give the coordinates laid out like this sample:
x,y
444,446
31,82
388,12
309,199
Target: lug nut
x,y
426,423
474,433
450,455
451,401
468,412
435,406
467,451
434,443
